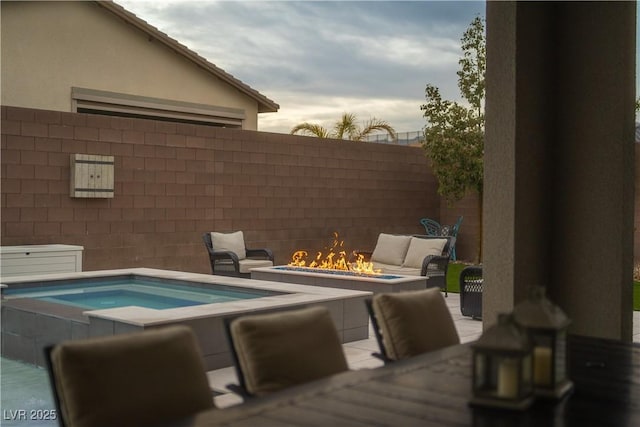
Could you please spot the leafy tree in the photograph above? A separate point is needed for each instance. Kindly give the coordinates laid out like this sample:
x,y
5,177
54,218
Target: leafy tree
x,y
454,134
345,128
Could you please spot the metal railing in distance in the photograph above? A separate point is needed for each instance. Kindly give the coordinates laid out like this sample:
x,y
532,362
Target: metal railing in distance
x,y
404,138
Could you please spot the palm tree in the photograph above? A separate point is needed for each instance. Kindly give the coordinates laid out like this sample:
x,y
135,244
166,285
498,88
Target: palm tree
x,y
345,128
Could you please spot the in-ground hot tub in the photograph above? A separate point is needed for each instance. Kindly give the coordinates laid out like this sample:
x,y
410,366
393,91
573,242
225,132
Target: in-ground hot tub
x,y
41,310
376,283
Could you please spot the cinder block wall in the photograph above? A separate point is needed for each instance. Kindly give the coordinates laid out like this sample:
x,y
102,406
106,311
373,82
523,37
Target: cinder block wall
x,y
175,181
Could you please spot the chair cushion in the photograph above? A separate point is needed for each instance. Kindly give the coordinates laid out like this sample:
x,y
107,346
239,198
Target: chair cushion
x,y
390,249
421,248
137,379
396,269
247,264
283,349
233,242
414,322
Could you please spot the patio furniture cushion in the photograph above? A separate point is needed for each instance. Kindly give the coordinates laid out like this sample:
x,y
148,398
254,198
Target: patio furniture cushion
x,y
247,264
396,269
420,248
414,322
244,265
137,379
390,249
232,242
278,350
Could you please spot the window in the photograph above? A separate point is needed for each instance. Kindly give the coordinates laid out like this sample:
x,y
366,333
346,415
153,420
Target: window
x,y
123,105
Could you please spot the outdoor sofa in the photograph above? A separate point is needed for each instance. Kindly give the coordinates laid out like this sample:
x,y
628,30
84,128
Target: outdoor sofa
x,y
415,255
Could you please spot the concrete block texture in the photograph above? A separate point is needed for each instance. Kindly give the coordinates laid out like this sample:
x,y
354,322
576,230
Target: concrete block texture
x,y
175,182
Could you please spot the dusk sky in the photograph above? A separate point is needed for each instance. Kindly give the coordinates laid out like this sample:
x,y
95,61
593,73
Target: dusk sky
x,y
318,59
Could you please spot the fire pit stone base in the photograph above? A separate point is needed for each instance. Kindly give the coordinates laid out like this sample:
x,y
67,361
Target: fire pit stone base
x,y
340,279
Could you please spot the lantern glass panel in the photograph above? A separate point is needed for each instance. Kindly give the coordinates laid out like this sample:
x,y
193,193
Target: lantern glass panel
x,y
527,368
502,376
482,378
560,357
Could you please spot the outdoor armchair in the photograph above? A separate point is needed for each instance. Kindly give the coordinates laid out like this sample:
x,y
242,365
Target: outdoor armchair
x,y
229,255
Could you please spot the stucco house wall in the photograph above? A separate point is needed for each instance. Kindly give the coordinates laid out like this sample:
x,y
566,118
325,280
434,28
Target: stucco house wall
x,y
48,48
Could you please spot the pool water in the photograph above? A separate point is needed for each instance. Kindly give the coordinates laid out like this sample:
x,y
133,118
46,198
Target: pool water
x,y
121,298
125,292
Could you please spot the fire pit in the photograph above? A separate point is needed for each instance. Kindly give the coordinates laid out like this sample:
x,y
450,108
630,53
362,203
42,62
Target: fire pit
x,y
375,283
335,259
334,269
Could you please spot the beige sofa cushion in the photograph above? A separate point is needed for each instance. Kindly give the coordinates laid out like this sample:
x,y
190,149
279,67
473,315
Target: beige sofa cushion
x,y
421,248
247,264
233,242
390,249
414,322
396,269
279,350
136,380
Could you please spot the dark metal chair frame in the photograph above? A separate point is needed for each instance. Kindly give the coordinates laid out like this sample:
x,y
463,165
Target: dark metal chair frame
x,y
232,258
240,388
431,227
382,355
436,266
471,287
452,231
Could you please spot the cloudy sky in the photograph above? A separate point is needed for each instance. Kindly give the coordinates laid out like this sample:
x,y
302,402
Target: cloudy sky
x,y
318,59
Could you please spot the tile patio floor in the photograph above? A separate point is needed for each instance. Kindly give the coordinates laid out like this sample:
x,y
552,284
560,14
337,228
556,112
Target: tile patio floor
x,y
359,352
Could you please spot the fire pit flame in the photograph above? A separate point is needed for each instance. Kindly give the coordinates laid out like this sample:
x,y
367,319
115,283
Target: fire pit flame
x,y
336,259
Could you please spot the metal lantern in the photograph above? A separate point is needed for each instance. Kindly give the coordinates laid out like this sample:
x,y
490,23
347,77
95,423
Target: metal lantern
x,y
502,367
547,326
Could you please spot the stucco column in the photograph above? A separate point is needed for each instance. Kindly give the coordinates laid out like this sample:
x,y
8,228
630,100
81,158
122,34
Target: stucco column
x,y
559,170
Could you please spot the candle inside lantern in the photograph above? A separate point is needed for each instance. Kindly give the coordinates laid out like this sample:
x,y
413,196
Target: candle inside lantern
x,y
542,366
508,378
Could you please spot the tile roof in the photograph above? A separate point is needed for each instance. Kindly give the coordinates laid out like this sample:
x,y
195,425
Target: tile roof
x,y
265,105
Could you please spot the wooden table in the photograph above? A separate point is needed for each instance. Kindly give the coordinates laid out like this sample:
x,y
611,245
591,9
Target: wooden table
x,y
434,390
